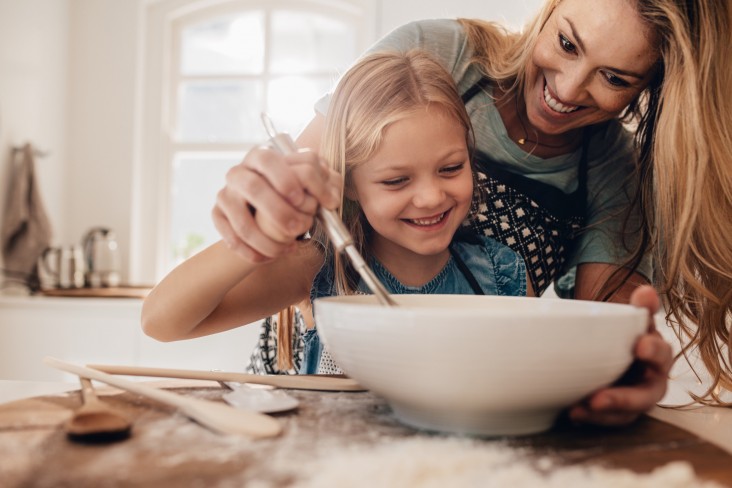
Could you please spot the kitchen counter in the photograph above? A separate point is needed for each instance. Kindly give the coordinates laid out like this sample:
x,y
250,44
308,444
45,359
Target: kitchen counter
x,y
15,390
339,439
102,330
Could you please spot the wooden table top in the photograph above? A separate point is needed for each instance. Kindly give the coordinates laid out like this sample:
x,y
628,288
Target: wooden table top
x,y
167,449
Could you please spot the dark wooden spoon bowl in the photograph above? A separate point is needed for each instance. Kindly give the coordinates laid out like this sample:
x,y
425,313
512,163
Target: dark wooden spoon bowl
x,y
96,421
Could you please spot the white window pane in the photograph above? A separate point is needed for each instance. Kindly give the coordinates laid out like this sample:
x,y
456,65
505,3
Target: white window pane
x,y
226,45
290,101
195,180
225,111
304,42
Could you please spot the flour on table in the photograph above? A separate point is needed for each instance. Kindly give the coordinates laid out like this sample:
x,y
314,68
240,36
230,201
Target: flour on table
x,y
436,463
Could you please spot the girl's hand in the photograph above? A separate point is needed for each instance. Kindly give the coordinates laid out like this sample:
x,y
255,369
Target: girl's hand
x,y
645,382
269,199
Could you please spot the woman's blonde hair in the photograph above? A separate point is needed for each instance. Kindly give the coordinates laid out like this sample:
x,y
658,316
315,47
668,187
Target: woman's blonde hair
x,y
380,89
683,123
686,161
501,55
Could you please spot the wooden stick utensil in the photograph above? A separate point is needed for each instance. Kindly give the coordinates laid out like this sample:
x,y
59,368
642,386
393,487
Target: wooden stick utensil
x,y
217,416
296,382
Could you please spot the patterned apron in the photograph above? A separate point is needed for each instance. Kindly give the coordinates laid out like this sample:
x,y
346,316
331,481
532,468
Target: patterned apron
x,y
537,220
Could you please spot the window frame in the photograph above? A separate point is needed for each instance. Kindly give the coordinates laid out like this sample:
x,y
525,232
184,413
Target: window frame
x,y
155,144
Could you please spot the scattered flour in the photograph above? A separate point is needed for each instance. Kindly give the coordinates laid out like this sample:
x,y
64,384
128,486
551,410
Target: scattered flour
x,y
437,463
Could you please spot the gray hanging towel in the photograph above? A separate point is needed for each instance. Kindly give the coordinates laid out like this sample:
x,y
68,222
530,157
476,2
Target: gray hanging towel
x,y
26,229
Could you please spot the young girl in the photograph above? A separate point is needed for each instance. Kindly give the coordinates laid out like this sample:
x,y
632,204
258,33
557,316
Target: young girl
x,y
398,133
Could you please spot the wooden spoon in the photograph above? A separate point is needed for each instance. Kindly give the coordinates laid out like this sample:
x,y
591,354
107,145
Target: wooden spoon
x,y
214,415
95,421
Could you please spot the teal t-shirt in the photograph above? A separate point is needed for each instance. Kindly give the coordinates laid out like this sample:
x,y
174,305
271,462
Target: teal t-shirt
x,y
610,159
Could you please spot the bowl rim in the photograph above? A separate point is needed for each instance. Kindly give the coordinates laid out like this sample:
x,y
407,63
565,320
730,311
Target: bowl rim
x,y
574,308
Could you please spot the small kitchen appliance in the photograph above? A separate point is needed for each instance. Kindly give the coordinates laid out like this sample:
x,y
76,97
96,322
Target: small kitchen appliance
x,y
62,267
102,258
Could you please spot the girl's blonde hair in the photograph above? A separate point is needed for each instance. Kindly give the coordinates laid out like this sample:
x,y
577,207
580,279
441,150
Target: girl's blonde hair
x,y
380,89
683,123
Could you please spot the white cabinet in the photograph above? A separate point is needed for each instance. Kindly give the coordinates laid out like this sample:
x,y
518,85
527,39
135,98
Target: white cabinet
x,y
102,330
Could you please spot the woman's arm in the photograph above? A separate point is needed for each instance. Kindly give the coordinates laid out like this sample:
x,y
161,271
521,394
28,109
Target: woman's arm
x,y
591,277
529,286
645,383
217,290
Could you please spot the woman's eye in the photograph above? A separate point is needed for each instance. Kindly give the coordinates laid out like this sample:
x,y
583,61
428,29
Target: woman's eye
x,y
616,80
566,45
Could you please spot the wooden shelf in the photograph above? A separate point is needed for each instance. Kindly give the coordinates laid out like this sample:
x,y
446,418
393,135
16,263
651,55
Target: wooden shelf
x,y
109,292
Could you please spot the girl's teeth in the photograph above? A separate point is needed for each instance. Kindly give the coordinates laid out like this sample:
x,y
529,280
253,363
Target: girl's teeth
x,y
556,105
431,221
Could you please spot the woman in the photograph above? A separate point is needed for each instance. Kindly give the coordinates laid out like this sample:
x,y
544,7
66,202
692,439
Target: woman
x,y
568,190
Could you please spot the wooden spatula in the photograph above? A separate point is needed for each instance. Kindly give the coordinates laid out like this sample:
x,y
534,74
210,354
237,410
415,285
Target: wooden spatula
x,y
219,417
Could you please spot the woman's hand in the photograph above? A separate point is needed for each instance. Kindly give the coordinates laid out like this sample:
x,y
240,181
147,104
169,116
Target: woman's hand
x,y
642,386
269,199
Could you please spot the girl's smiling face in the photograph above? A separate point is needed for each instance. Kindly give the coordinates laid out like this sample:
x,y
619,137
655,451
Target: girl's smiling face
x,y
591,59
417,189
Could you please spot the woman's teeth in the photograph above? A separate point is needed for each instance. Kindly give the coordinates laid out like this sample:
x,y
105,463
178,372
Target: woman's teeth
x,y
556,105
430,221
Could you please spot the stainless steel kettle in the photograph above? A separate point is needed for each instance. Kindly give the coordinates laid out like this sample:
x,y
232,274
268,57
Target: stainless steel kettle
x,y
102,258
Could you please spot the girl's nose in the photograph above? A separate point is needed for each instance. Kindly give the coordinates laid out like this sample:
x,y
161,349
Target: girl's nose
x,y
428,195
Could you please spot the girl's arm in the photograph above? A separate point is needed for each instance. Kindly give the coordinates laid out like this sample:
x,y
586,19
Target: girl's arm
x,y
218,290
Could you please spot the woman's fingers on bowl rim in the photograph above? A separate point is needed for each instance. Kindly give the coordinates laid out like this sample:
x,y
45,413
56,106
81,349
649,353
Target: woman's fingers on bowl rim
x,y
655,352
584,415
646,296
615,406
636,398
619,405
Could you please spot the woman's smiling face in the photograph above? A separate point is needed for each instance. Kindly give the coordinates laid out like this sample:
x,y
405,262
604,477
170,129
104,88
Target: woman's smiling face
x,y
591,59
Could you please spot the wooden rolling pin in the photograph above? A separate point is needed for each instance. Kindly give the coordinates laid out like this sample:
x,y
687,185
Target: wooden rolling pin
x,y
296,382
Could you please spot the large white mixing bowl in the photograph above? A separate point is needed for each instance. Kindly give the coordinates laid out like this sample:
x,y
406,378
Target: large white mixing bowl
x,y
479,365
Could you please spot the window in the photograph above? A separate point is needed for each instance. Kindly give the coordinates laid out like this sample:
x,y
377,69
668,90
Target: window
x,y
220,67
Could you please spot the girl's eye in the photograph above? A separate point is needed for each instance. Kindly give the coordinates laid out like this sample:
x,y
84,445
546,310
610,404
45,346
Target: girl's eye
x,y
616,80
566,45
455,168
394,182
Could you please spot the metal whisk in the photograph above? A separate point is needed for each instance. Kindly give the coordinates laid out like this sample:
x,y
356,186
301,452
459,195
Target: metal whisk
x,y
339,236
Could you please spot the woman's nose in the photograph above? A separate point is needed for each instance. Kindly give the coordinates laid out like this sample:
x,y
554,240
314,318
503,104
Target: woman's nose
x,y
570,86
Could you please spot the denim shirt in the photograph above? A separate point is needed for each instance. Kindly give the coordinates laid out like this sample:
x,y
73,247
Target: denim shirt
x,y
497,269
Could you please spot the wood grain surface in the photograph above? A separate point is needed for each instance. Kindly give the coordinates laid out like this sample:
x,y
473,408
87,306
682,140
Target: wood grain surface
x,y
167,449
